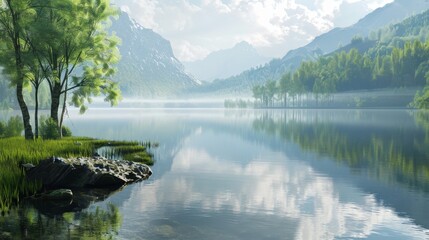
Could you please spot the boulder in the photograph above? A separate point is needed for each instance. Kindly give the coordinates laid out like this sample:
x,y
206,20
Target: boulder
x,y
95,172
58,194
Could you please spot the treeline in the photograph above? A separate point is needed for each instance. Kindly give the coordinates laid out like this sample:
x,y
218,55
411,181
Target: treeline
x,y
391,57
58,51
378,67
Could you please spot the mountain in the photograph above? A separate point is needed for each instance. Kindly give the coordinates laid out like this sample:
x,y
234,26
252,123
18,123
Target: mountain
x,y
241,84
148,67
225,63
392,13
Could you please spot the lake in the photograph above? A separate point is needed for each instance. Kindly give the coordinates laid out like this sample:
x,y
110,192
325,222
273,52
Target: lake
x,y
255,174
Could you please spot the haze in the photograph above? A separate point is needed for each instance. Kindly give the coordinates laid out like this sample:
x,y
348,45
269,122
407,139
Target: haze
x,y
199,27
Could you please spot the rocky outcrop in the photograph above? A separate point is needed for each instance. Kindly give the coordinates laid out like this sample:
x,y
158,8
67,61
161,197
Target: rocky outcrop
x,y
96,172
57,194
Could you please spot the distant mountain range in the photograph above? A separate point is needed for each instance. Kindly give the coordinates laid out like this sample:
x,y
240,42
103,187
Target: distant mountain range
x,y
225,63
148,67
324,44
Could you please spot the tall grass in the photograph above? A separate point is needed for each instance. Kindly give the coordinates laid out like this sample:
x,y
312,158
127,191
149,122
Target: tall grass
x,y
16,151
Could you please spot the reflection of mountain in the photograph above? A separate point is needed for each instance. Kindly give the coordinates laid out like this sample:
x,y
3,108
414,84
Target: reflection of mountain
x,y
209,186
385,148
220,168
391,152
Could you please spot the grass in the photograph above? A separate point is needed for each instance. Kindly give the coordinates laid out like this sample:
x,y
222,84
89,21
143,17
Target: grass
x,y
17,150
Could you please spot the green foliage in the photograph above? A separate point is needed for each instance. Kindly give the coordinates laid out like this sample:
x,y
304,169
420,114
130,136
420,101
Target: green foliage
x,y
66,131
265,93
398,154
78,40
15,151
396,56
48,41
12,128
102,222
421,100
236,103
135,152
48,128
405,66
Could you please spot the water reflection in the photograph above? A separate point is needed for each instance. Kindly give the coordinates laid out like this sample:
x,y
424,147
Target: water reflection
x,y
28,223
393,153
211,194
272,174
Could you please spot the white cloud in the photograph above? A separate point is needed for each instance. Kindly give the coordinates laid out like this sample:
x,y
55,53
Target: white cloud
x,y
196,28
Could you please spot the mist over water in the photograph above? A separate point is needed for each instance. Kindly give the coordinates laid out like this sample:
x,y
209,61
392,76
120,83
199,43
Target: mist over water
x,y
271,174
259,174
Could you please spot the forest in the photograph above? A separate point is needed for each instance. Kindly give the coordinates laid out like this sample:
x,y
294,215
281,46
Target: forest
x,y
393,57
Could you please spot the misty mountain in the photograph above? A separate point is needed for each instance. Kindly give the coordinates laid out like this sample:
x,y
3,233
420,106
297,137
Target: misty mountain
x,y
241,84
392,13
148,67
225,63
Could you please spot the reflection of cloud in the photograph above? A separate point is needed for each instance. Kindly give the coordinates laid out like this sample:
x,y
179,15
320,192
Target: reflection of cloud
x,y
270,184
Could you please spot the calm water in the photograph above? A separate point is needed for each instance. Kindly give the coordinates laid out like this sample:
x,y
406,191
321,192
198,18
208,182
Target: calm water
x,y
275,174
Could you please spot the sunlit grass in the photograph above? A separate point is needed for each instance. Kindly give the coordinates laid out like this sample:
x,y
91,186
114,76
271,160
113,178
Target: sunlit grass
x,y
16,151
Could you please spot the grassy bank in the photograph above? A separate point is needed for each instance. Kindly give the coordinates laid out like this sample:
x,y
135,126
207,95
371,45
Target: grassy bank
x,y
15,151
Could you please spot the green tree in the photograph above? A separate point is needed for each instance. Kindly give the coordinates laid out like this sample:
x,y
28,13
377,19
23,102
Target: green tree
x,y
258,93
15,16
75,52
284,87
421,99
270,92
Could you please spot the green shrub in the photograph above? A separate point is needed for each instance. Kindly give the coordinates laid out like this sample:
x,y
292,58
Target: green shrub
x,y
66,131
12,128
2,129
48,128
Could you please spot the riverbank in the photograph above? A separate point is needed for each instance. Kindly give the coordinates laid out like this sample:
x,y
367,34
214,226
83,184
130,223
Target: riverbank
x,y
17,151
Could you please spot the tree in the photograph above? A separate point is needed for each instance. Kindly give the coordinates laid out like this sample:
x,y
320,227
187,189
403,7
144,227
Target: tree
x,y
34,75
257,92
284,85
75,52
15,16
270,92
421,99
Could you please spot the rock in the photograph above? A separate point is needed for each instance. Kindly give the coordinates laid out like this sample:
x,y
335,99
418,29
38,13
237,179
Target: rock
x,y
59,194
87,172
27,166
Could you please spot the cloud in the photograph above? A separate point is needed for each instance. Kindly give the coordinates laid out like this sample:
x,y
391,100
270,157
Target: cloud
x,y
198,27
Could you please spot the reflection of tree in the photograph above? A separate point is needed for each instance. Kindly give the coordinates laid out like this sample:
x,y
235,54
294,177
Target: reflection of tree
x,y
27,223
395,155
422,119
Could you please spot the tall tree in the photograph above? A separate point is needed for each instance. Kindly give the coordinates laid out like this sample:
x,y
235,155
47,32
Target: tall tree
x,y
15,15
75,52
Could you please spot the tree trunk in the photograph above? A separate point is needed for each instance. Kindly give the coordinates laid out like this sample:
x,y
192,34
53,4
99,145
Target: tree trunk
x,y
15,37
36,112
62,112
28,132
55,102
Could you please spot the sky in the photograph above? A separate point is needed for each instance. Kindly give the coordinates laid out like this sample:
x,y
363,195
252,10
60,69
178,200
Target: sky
x,y
196,28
